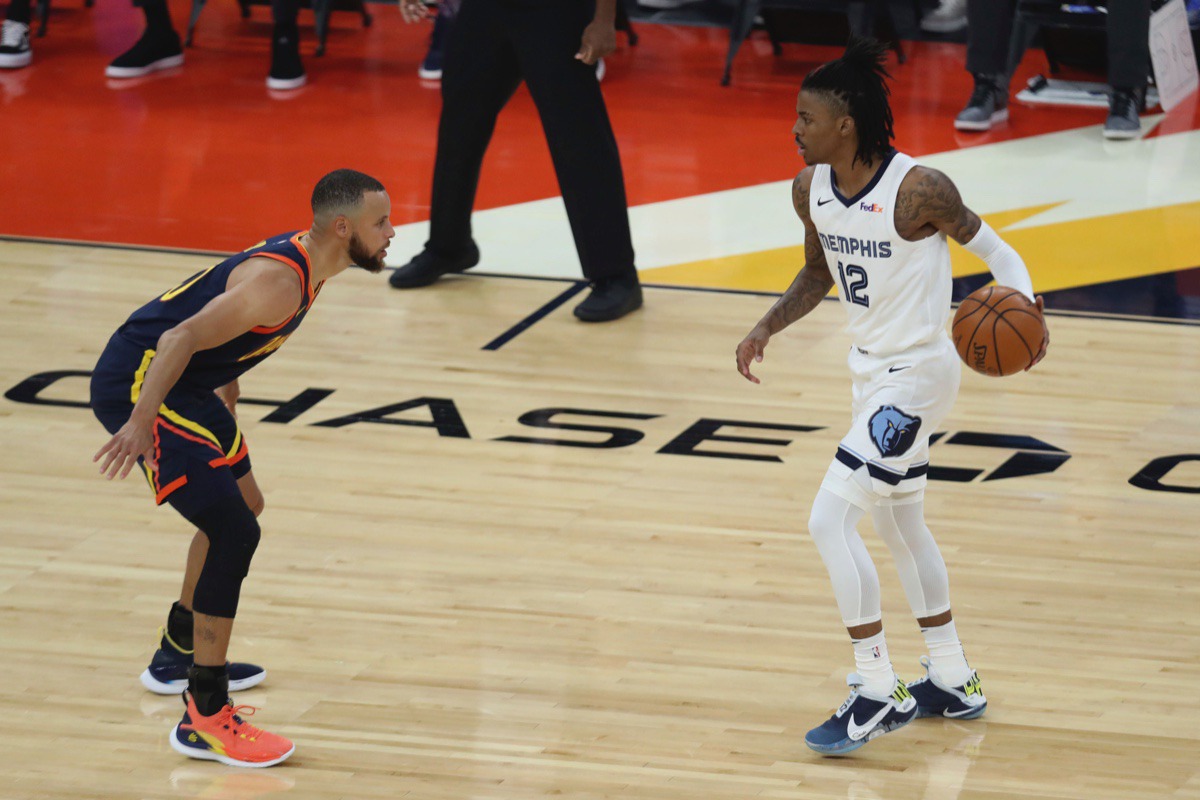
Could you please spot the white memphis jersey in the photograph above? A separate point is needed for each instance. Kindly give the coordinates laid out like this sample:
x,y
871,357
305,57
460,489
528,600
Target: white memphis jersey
x,y
896,292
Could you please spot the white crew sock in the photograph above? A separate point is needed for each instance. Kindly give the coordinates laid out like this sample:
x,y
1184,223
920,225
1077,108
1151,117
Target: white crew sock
x,y
946,654
874,665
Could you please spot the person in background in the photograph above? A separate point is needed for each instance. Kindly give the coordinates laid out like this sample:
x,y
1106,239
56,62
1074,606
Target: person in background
x,y
990,24
553,46
159,47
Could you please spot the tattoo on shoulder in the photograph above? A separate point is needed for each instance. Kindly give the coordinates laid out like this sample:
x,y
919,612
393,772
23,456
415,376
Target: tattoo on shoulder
x,y
934,200
800,195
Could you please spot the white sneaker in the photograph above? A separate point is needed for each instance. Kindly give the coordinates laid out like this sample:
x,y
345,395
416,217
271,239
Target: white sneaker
x,y
14,45
949,16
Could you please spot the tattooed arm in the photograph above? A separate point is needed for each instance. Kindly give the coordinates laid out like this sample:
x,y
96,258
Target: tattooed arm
x,y
928,202
807,290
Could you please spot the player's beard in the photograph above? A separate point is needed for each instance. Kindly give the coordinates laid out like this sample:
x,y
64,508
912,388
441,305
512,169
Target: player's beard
x,y
361,258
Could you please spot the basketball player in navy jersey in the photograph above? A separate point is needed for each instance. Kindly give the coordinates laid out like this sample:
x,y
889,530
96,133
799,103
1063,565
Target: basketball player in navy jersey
x,y
166,387
876,226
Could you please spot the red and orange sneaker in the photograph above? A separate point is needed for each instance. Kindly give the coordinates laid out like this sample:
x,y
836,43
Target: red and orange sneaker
x,y
228,738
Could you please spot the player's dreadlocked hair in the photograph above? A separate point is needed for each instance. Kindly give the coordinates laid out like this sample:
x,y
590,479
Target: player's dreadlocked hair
x,y
858,82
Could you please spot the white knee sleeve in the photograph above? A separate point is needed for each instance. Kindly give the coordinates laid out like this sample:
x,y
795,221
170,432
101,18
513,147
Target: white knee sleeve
x,y
855,582
901,524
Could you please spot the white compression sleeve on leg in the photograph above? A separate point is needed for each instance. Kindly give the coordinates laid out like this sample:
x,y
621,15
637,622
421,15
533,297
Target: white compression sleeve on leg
x,y
918,559
1002,260
832,525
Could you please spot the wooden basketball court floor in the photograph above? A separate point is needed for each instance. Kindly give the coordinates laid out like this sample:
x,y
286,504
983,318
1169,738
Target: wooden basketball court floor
x,y
507,561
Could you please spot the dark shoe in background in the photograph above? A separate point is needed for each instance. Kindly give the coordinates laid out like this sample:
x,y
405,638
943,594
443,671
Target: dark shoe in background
x,y
427,266
431,66
988,104
287,71
1123,108
155,50
610,299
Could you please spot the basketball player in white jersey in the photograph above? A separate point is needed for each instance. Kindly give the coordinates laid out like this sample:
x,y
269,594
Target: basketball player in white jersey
x,y
876,225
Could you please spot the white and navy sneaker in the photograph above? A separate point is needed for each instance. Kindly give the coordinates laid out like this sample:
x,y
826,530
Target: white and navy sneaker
x,y
937,699
168,670
863,717
14,45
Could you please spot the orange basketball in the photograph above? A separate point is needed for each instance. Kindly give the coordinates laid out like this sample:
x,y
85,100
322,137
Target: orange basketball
x,y
998,331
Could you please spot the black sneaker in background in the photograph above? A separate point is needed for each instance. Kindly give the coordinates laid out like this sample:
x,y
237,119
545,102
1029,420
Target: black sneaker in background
x,y
155,50
611,299
287,72
427,266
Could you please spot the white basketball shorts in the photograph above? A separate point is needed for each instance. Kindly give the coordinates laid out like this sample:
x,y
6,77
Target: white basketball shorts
x,y
899,400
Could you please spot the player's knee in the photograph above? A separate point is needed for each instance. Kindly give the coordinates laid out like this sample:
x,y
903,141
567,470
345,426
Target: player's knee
x,y
233,534
827,520
818,524
243,543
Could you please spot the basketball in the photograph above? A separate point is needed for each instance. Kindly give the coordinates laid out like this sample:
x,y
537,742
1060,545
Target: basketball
x,y
998,331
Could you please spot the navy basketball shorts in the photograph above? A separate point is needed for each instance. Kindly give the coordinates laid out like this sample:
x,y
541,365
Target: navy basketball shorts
x,y
199,449
899,400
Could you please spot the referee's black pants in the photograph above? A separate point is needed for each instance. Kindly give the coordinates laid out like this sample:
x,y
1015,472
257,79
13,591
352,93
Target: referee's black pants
x,y
492,46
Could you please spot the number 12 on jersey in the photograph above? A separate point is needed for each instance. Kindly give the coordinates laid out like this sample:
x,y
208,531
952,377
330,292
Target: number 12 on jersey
x,y
854,289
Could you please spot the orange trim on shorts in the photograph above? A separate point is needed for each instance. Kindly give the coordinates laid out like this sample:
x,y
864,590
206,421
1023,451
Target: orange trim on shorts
x,y
170,487
186,435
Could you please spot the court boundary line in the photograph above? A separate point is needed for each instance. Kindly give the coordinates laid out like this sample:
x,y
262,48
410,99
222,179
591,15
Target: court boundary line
x,y
146,248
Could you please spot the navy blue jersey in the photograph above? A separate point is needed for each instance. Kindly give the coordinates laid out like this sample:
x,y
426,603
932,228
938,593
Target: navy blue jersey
x,y
210,369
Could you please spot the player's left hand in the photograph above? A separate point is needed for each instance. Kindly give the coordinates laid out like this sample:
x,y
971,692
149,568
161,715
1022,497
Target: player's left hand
x,y
1045,341
599,39
751,350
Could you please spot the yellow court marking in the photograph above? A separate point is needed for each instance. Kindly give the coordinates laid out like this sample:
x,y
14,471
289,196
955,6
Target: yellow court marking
x,y
1060,256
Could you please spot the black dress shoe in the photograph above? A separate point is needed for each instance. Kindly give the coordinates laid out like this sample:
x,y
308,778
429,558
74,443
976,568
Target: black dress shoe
x,y
610,299
426,267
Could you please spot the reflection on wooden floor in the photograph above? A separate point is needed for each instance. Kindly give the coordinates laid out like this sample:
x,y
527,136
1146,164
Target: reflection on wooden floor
x,y
449,614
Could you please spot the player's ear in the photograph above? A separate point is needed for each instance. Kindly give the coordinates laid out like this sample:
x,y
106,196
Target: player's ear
x,y
846,125
341,226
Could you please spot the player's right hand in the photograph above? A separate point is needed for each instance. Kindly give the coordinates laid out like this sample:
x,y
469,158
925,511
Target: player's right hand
x,y
413,10
123,449
751,349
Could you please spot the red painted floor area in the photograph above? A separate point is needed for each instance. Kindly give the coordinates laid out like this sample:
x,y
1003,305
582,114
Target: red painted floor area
x,y
206,158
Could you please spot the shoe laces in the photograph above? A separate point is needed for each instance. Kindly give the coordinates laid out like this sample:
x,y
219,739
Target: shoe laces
x,y
230,719
13,34
984,90
1124,103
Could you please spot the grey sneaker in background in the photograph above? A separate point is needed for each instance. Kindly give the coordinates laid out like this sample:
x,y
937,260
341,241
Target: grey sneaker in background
x,y
988,104
1123,108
